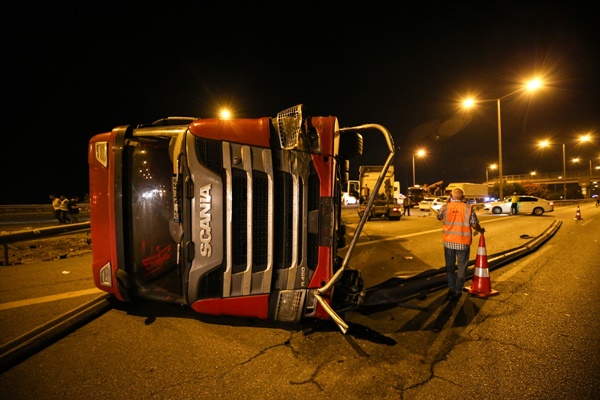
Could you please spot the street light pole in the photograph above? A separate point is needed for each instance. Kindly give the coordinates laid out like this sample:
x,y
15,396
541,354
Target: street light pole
x,y
501,183
420,153
564,173
546,143
414,180
487,177
532,85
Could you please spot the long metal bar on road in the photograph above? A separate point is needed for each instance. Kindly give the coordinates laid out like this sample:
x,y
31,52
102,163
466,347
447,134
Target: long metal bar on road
x,y
37,339
396,290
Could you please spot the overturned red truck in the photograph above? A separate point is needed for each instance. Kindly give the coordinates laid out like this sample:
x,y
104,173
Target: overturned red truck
x,y
237,217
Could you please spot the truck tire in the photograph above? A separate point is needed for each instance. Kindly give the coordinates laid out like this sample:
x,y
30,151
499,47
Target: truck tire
x,y
344,172
351,145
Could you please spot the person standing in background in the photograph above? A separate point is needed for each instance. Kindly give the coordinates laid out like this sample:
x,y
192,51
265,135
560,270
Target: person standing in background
x,y
64,210
73,209
514,204
56,207
406,204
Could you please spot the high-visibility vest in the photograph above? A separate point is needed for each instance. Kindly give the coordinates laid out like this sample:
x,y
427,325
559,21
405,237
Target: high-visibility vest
x,y
457,228
56,203
64,205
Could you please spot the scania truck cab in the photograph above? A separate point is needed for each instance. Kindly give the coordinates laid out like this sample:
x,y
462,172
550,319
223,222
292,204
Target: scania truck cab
x,y
237,217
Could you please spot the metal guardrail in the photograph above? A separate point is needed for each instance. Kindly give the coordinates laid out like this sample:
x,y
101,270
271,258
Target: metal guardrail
x,y
32,234
34,208
577,176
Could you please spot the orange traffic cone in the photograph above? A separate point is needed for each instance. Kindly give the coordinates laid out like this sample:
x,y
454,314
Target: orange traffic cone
x,y
578,214
481,286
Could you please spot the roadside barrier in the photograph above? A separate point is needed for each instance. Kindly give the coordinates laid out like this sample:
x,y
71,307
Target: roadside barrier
x,y
32,234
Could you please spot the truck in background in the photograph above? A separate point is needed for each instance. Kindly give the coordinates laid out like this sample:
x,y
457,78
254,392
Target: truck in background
x,y
474,192
351,193
417,193
353,188
238,217
385,204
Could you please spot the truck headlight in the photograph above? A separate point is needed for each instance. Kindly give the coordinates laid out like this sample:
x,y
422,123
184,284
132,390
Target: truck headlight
x,y
289,305
106,275
102,152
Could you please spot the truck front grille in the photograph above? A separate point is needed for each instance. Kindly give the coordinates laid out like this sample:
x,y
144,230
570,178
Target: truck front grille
x,y
266,244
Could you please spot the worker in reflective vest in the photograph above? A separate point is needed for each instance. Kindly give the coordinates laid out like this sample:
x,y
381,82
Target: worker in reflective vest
x,y
459,220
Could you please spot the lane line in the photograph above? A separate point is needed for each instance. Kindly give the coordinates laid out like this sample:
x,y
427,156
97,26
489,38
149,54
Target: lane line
x,y
45,299
437,230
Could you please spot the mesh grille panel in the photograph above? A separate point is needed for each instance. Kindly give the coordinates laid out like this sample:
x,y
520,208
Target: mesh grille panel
x,y
210,153
313,204
239,220
283,220
260,221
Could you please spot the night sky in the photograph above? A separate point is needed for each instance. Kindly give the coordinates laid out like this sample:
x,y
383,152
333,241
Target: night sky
x,y
73,69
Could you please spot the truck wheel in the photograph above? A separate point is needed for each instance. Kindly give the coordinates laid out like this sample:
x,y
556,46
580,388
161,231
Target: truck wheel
x,y
344,172
351,145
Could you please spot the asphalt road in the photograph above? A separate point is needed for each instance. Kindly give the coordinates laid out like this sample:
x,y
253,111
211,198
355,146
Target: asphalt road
x,y
537,339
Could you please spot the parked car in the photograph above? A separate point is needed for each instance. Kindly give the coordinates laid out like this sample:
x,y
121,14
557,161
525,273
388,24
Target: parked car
x,y
439,202
348,199
527,205
425,204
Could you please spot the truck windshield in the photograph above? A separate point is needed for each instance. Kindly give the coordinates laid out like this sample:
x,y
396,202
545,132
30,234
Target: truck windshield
x,y
152,252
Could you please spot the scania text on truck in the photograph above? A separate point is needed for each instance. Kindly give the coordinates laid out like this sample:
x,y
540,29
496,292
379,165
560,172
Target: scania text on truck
x,y
237,217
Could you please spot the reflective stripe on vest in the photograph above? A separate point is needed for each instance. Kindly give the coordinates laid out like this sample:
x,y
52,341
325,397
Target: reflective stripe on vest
x,y
457,228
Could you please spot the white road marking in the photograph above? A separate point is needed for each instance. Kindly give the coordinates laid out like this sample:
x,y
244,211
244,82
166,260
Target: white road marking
x,y
45,299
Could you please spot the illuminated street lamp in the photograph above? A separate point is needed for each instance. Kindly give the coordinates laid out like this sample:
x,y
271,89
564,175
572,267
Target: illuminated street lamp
x,y
546,143
419,153
487,179
530,86
224,114
583,139
577,160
